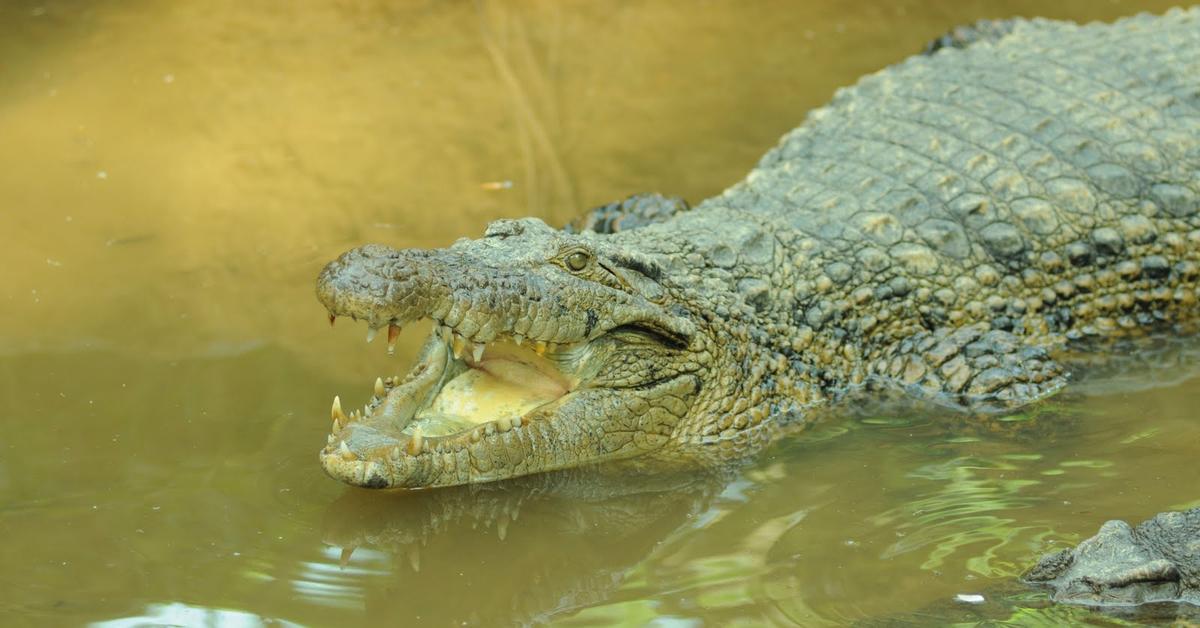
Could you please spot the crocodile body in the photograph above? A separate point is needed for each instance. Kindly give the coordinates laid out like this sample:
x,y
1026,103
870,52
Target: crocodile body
x,y
944,227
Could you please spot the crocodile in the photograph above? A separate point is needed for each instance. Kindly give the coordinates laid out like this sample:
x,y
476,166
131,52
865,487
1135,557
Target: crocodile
x,y
1158,561
946,227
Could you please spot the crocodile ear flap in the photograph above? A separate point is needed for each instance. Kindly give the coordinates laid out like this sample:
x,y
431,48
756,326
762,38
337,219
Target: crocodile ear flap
x,y
639,283
639,274
648,267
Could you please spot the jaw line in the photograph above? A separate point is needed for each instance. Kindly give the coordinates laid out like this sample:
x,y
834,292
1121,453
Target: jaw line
x,y
382,448
361,446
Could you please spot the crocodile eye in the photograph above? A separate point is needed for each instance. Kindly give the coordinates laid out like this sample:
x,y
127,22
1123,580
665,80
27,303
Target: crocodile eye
x,y
577,261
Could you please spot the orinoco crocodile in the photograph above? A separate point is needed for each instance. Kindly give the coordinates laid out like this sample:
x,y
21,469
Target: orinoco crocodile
x,y
944,226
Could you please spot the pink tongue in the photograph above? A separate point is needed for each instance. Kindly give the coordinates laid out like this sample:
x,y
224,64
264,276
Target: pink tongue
x,y
523,374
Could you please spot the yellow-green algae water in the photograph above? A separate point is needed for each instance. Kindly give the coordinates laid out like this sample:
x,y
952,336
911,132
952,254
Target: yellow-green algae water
x,y
174,174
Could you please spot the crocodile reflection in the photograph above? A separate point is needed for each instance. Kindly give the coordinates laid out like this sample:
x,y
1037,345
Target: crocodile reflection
x,y
519,551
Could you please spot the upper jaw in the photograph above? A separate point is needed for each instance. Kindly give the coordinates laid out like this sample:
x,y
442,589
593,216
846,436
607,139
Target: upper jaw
x,y
480,303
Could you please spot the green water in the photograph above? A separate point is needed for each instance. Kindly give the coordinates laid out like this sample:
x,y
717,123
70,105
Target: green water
x,y
172,177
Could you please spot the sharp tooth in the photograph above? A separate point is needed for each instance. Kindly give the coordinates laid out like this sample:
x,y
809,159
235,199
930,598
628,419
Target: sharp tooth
x,y
345,557
477,352
396,453
476,434
516,421
415,442
345,449
393,332
458,344
519,339
504,424
540,347
502,527
379,390
371,331
339,417
329,439
368,470
365,411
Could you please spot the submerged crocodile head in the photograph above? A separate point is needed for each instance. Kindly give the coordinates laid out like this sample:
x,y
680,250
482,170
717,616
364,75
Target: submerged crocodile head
x,y
1158,561
549,350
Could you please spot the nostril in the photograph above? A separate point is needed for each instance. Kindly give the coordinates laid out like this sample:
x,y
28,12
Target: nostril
x,y
504,229
375,250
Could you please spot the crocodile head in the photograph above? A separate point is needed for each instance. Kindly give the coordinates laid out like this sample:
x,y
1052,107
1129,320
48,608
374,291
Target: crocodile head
x,y
549,350
1158,561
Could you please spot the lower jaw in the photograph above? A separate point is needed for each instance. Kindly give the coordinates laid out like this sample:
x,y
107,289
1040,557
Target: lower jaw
x,y
389,446
497,455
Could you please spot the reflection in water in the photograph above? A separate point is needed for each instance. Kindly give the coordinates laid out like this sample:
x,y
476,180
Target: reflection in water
x,y
521,551
178,614
963,513
194,481
175,174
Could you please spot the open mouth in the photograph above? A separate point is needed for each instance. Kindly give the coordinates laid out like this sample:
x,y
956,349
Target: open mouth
x,y
459,394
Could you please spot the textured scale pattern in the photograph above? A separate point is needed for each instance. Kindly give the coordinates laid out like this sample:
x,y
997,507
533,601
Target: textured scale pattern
x,y
945,227
1158,561
1043,182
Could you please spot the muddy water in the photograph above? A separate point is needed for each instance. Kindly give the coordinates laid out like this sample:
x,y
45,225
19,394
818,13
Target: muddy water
x,y
172,177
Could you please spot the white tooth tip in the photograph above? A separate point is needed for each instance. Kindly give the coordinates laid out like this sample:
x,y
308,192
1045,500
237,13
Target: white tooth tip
x,y
371,331
379,390
415,442
344,448
477,352
339,417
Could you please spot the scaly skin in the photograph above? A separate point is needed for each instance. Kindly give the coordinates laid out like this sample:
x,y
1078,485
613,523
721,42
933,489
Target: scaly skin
x,y
1158,561
943,226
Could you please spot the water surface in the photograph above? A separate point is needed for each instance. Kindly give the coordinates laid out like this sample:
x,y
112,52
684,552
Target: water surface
x,y
172,177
